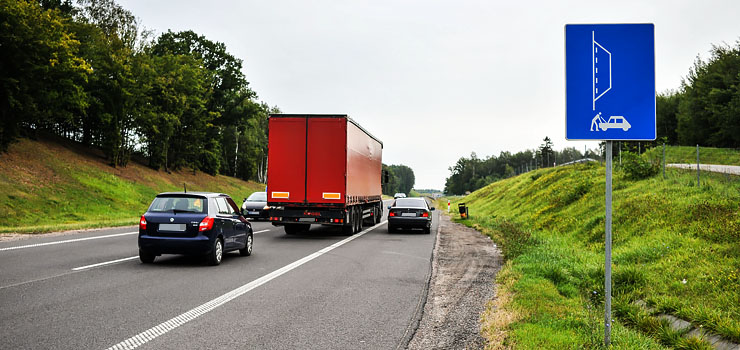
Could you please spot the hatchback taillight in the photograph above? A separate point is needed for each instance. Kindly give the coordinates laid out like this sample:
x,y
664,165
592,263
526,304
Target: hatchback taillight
x,y
206,224
142,223
425,214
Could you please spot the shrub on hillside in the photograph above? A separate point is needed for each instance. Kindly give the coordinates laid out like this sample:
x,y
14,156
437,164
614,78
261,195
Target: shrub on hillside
x,y
636,167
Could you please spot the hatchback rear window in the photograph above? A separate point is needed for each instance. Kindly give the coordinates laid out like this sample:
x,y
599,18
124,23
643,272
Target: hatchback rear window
x,y
258,197
179,204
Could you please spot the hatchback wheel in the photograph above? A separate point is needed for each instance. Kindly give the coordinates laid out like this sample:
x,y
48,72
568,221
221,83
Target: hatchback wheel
x,y
217,253
247,250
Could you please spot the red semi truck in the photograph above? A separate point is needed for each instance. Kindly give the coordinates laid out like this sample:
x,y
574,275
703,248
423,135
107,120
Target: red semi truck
x,y
322,169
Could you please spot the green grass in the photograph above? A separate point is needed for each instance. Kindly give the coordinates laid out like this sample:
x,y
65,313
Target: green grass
x,y
687,154
549,224
47,186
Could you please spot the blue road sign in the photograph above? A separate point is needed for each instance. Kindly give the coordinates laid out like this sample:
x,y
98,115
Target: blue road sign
x,y
610,82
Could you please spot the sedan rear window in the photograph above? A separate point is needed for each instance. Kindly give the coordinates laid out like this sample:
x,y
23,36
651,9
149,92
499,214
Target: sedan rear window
x,y
411,203
179,204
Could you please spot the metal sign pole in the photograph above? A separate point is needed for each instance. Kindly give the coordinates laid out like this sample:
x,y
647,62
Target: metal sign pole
x,y
608,249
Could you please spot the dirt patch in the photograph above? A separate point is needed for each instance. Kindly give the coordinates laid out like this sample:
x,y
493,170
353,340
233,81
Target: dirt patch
x,y
463,269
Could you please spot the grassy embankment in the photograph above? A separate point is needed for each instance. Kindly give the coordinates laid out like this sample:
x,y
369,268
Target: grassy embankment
x,y
675,246
48,186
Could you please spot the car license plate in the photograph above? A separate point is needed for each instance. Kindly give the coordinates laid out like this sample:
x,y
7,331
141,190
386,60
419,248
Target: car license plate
x,y
408,214
253,212
307,219
172,227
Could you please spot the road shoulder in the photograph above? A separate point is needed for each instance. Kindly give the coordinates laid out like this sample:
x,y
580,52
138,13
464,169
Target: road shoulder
x,y
463,269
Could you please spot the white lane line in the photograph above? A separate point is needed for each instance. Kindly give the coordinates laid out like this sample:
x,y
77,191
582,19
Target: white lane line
x,y
260,231
104,263
164,327
67,241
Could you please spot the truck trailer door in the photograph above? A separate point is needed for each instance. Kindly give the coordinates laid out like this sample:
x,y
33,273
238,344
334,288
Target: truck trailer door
x,y
326,160
286,154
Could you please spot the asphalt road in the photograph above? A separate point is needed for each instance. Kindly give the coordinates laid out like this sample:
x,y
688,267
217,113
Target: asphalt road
x,y
315,290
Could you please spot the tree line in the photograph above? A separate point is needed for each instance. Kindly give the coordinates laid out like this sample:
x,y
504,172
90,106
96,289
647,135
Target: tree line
x,y
88,72
397,178
705,109
472,173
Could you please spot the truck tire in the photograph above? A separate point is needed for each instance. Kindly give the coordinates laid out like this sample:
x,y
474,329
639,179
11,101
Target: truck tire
x,y
378,214
358,219
349,227
290,229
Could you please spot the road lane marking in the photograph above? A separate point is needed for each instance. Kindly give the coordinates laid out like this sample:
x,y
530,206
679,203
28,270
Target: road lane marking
x,y
67,241
261,231
104,263
177,321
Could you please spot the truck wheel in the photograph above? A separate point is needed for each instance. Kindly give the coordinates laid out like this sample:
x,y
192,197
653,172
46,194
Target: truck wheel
x,y
378,214
358,219
291,229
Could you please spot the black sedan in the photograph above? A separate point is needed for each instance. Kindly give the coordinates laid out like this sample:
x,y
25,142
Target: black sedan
x,y
255,206
193,223
410,213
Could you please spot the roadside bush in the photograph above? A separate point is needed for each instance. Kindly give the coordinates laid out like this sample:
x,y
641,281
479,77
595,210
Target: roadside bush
x,y
636,167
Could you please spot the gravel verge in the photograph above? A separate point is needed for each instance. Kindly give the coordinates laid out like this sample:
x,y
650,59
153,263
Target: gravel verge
x,y
463,269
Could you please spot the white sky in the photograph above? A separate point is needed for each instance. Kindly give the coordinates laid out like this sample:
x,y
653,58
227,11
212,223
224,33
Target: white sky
x,y
434,80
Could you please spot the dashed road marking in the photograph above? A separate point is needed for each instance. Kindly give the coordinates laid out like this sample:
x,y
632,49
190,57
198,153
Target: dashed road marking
x,y
67,241
104,263
177,321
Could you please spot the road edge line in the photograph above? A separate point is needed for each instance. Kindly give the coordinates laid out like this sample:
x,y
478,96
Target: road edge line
x,y
415,321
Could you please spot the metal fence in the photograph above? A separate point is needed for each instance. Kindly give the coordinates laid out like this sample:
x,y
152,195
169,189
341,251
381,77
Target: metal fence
x,y
716,164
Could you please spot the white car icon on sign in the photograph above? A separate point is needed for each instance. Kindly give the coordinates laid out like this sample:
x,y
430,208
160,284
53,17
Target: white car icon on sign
x,y
615,122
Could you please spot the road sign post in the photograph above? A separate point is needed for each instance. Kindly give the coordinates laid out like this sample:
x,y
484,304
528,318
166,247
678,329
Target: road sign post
x,y
609,95
608,248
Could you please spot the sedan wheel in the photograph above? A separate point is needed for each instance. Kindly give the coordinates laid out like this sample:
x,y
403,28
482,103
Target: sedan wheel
x,y
247,250
217,253
146,257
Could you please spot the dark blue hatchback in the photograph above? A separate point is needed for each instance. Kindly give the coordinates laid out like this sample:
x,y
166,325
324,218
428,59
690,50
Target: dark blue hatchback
x,y
193,223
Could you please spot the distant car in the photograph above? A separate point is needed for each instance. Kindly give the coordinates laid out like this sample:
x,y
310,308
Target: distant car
x,y
193,223
399,195
410,213
255,206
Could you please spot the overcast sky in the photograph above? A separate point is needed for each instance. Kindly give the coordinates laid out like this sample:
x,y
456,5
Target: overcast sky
x,y
434,80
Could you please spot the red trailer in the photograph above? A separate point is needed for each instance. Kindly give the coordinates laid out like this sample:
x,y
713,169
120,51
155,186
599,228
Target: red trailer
x,y
322,169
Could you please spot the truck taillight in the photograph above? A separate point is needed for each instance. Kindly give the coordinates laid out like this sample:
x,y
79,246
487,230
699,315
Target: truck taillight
x,y
206,224
425,214
142,223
